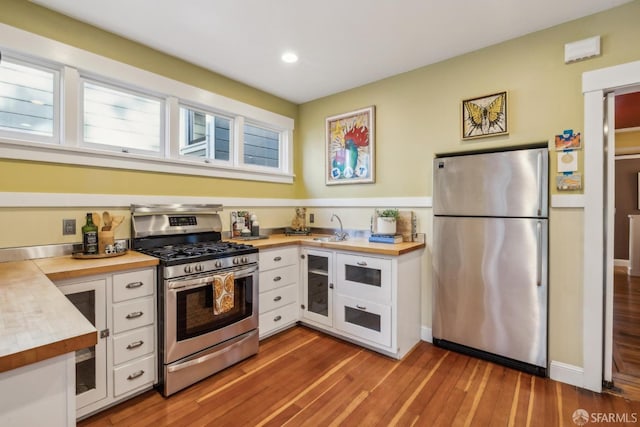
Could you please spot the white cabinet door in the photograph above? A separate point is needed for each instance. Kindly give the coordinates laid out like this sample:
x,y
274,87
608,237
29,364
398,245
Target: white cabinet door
x,y
318,283
364,277
364,319
91,363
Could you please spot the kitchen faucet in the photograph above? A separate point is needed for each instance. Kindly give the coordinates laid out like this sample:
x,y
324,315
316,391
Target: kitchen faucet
x,y
340,235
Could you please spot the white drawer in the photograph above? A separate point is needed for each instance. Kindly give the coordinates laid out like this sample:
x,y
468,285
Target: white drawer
x,y
134,375
278,298
274,258
135,284
277,319
131,345
278,277
364,277
364,319
133,314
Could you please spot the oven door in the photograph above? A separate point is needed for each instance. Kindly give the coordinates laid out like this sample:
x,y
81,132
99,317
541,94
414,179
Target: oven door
x,y
191,323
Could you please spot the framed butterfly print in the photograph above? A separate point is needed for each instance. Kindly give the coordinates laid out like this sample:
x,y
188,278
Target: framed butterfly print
x,y
350,147
485,116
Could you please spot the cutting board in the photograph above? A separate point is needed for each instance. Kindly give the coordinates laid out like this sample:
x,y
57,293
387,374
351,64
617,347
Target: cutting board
x,y
406,225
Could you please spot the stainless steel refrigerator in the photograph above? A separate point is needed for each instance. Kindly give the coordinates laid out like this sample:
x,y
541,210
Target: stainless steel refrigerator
x,y
490,255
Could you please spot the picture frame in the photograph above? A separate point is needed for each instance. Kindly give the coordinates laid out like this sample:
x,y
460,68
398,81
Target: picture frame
x,y
485,116
350,147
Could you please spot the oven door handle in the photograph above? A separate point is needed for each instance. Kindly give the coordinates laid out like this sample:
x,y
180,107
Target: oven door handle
x,y
205,280
209,356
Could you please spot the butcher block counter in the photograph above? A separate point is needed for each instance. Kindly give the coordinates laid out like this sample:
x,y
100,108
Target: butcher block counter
x,y
37,321
356,244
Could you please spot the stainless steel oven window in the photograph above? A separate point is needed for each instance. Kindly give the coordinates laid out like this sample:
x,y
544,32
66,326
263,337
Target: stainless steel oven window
x,y
194,308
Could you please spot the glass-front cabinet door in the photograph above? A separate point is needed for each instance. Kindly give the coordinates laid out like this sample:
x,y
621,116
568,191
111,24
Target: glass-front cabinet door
x,y
364,319
317,273
91,363
364,277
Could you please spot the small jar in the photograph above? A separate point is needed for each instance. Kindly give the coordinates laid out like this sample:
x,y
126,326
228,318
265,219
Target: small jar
x,y
245,232
255,228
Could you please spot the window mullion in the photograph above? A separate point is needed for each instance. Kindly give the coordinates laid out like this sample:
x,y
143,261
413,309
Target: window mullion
x,y
71,110
172,128
238,141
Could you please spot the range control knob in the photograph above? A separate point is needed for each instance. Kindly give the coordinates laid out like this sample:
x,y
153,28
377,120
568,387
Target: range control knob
x,y
188,269
236,261
218,264
199,267
245,259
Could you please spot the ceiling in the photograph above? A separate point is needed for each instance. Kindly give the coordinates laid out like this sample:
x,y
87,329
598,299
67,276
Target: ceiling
x,y
341,44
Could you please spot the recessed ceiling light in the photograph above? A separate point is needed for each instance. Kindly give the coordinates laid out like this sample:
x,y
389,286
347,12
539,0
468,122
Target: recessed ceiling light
x,y
289,57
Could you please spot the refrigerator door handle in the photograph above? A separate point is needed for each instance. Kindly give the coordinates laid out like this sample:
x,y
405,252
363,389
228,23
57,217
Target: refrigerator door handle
x,y
539,260
540,183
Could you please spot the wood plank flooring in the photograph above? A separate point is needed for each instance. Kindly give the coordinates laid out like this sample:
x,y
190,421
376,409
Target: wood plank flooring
x,y
626,333
304,377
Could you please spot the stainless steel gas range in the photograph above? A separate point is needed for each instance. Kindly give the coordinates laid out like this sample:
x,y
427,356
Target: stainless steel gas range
x,y
207,291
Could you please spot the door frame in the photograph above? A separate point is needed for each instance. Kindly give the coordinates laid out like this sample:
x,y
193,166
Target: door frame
x,y
595,86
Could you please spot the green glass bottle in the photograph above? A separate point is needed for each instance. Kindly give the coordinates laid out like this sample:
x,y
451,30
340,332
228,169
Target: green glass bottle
x,y
90,236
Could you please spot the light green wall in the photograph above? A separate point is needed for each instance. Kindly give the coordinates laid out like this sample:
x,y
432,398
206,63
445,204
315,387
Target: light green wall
x,y
418,113
41,177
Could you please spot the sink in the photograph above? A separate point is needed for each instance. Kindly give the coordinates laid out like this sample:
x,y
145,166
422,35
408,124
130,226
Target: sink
x,y
326,239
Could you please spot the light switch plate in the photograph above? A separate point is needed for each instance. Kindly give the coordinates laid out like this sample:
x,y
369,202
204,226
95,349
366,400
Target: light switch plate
x,y
68,227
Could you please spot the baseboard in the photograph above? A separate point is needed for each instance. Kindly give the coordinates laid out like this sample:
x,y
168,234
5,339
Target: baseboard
x,y
425,334
565,373
621,263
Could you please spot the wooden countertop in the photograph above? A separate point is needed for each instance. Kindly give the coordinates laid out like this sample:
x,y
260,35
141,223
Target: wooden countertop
x,y
66,267
357,245
37,321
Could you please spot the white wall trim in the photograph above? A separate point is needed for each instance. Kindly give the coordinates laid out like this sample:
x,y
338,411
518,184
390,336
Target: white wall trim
x,y
567,201
621,263
426,334
594,86
565,373
74,200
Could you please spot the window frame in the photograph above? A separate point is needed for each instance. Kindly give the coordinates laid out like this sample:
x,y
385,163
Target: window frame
x,y
124,89
75,64
214,114
54,69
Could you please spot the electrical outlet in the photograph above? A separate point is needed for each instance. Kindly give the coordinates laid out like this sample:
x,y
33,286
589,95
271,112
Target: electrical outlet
x,y
68,227
312,218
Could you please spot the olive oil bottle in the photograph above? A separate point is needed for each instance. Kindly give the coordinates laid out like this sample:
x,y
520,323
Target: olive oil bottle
x,y
90,237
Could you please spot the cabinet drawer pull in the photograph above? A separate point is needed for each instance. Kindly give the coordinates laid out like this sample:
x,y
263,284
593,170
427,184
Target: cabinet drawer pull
x,y
134,285
277,279
278,298
135,375
135,344
278,258
362,263
361,307
277,318
134,315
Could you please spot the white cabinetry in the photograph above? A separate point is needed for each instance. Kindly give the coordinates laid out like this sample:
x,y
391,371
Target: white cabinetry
x,y
369,299
317,286
122,307
278,282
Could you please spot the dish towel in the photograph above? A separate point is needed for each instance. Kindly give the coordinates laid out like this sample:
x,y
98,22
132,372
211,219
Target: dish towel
x,y
223,286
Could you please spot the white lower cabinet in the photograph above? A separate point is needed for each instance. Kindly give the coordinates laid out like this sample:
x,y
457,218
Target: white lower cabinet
x,y
278,282
371,300
122,306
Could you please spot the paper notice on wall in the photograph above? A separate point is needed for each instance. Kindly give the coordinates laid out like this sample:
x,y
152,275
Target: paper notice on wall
x,y
567,161
569,182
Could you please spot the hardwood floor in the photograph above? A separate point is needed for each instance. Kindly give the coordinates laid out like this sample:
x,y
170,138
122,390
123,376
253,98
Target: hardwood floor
x,y
626,334
304,377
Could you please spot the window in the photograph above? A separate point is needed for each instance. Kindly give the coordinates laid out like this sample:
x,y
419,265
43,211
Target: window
x,y
205,135
138,120
28,100
121,120
261,146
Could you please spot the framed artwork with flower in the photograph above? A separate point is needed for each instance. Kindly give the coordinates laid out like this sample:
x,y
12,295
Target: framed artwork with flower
x,y
350,147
